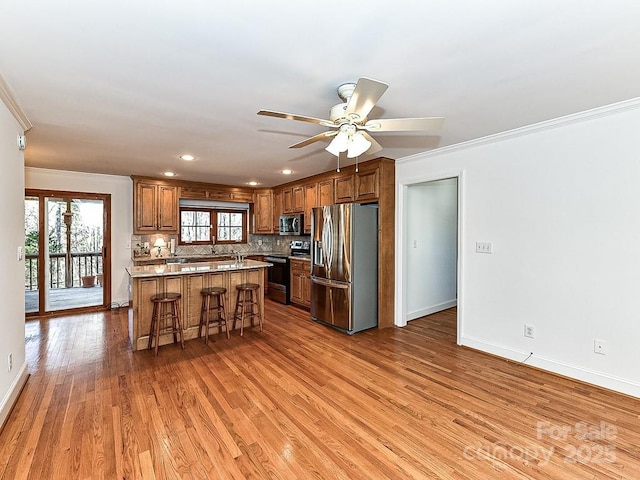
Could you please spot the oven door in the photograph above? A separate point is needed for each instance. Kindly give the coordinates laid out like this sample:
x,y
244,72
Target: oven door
x,y
278,278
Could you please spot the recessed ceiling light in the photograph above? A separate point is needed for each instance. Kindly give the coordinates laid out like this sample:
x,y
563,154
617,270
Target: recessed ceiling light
x,y
287,172
187,157
253,184
169,174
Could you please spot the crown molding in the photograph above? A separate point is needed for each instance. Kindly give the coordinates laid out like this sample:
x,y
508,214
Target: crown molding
x,y
9,99
614,108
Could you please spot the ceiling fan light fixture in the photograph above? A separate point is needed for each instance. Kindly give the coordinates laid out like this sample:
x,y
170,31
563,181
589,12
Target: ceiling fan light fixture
x,y
358,145
339,144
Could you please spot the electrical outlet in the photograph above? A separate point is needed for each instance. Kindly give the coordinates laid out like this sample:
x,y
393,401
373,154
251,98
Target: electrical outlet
x,y
600,347
484,247
529,331
10,361
259,242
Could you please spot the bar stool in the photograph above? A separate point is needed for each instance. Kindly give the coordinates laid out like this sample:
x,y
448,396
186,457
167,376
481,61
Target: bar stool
x,y
220,319
165,309
245,298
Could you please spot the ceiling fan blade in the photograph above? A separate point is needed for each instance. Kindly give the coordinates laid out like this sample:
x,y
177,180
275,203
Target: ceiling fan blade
x,y
403,124
365,96
301,118
315,138
375,146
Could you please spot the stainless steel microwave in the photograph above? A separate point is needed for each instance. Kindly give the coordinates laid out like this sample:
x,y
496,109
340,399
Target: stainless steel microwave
x,y
291,224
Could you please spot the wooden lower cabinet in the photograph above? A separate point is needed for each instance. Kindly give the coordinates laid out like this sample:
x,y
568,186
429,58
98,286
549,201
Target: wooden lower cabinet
x,y
301,282
260,258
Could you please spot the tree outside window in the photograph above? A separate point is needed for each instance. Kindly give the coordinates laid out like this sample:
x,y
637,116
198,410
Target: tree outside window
x,y
195,226
198,225
230,227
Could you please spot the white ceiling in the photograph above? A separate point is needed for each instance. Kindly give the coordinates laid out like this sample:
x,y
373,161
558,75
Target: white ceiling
x,y
124,87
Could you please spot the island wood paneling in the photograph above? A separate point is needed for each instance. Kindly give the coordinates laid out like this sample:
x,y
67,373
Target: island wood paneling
x,y
189,286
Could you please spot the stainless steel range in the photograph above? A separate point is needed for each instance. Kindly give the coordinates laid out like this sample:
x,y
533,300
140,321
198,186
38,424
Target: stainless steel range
x,y
279,276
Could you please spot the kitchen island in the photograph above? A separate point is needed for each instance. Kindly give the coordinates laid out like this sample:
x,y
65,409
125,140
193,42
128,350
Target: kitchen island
x,y
187,279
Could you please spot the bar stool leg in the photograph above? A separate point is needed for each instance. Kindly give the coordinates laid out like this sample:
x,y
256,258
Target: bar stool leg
x,y
204,322
176,312
221,305
257,304
207,321
156,331
239,311
154,319
202,316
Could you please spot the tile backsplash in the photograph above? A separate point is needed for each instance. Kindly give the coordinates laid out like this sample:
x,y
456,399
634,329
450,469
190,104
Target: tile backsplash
x,y
141,244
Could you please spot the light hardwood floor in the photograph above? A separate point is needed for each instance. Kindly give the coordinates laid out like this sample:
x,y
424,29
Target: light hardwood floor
x,y
301,401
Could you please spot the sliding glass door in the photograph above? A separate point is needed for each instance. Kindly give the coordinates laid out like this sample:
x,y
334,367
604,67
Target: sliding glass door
x,y
67,262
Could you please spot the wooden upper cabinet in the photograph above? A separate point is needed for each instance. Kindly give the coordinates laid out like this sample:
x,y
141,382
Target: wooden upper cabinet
x,y
325,192
343,189
195,193
227,194
287,200
298,199
263,216
310,201
145,206
367,185
293,199
277,210
155,207
167,208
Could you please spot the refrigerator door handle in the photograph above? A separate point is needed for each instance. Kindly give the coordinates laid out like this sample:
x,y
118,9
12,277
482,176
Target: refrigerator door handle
x,y
327,241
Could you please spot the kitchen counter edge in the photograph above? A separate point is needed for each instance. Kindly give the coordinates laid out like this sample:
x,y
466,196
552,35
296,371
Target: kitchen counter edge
x,y
191,268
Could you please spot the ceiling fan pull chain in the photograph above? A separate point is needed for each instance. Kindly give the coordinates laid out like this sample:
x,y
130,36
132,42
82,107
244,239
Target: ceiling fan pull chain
x,y
357,163
338,169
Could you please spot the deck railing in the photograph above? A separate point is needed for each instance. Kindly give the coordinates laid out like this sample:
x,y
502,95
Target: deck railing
x,y
82,264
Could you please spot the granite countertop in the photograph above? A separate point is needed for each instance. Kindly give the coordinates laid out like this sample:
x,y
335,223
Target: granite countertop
x,y
152,258
189,268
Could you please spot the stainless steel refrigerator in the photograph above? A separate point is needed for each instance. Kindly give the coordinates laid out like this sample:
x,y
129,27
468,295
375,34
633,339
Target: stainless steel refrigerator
x,y
344,266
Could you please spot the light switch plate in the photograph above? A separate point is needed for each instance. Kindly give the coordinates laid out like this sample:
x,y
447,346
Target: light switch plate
x,y
20,253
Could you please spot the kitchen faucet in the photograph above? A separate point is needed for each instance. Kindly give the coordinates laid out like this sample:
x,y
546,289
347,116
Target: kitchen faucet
x,y
238,255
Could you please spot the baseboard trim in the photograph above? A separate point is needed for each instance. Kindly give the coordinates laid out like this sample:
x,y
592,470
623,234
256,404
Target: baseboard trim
x,y
599,379
429,310
12,395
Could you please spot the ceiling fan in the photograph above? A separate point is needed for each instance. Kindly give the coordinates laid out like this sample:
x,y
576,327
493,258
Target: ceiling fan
x,y
349,123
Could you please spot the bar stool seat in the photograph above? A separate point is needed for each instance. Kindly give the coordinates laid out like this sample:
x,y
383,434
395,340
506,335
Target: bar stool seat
x,y
218,308
247,298
165,318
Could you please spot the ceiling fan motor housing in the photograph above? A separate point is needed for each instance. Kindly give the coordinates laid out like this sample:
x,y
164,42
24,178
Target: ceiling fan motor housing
x,y
337,113
345,91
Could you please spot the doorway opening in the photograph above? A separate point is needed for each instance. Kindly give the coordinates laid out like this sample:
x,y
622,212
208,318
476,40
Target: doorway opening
x,y
67,261
429,251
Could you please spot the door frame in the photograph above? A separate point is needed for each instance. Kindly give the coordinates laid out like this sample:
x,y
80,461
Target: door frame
x,y
402,246
106,249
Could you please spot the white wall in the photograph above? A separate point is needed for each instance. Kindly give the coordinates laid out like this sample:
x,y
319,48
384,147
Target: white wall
x,y
431,247
561,203
121,190
12,278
